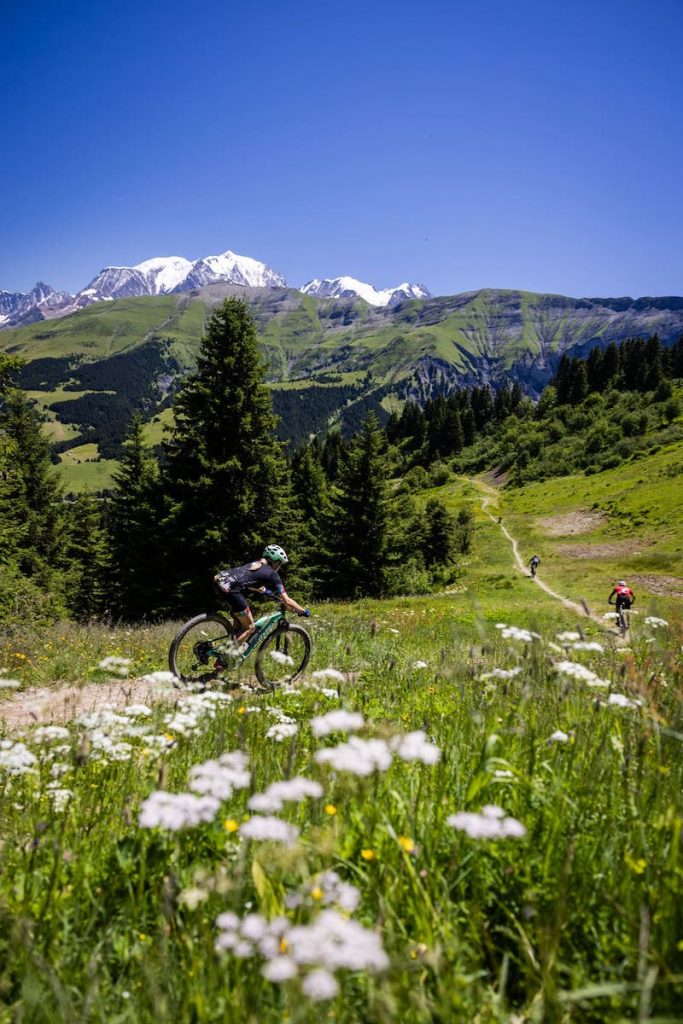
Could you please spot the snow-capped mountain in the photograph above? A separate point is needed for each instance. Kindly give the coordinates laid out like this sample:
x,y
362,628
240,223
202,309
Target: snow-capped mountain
x,y
41,303
164,274
349,288
160,275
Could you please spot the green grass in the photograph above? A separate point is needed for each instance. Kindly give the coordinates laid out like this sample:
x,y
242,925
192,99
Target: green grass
x,y
79,476
107,921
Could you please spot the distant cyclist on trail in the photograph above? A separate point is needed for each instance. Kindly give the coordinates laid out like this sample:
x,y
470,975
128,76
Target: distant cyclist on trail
x,y
534,564
624,596
259,577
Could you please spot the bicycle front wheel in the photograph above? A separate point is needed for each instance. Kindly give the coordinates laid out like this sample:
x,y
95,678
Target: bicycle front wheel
x,y
194,655
282,656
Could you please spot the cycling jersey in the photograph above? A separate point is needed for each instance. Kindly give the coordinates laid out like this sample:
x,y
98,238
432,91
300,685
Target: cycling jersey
x,y
233,583
624,597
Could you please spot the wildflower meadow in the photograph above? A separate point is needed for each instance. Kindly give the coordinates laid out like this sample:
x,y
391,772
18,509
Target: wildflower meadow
x,y
448,819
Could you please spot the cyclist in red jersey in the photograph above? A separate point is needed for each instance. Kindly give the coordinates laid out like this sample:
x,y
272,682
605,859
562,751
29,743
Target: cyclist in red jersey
x,y
624,596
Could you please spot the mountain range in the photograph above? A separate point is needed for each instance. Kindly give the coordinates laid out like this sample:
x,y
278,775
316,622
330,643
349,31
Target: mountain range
x,y
164,275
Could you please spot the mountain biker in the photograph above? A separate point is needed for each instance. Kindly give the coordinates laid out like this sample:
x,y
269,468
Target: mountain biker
x,y
260,577
534,564
624,596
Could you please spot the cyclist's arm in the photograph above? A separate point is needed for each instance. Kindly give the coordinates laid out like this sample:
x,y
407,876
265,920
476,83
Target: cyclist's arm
x,y
290,603
609,599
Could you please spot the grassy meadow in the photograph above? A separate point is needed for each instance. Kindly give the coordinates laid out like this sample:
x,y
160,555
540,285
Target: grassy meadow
x,y
500,842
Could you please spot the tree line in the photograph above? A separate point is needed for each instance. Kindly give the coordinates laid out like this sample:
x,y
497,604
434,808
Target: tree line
x,y
219,488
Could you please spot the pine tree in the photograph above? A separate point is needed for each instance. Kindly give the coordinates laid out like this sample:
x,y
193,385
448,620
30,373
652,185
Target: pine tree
x,y
438,543
311,493
225,473
89,576
140,579
31,516
363,515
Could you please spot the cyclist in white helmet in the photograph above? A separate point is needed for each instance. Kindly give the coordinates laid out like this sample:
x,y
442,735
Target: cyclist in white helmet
x,y
259,577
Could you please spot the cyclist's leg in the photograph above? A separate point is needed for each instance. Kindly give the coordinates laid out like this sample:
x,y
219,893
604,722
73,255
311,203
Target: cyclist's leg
x,y
245,622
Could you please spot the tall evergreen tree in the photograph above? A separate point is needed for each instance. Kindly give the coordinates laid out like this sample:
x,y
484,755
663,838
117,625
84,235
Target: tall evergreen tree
x,y
363,517
311,493
89,563
31,513
140,578
224,471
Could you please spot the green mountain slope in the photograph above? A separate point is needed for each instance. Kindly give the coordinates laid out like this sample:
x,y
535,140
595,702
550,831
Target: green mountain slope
x,y
89,371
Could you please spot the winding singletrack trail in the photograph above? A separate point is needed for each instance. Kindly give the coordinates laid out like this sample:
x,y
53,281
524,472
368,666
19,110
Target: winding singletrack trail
x,y
575,606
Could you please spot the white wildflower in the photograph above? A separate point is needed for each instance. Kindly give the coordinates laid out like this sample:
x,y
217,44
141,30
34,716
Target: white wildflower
x,y
503,773
579,672
282,731
568,637
414,746
193,897
337,721
59,769
16,758
337,892
420,664
558,737
620,701
175,811
500,673
396,632
120,666
269,828
332,941
59,797
280,968
516,633
48,733
491,823
137,711
218,778
320,985
361,757
9,684
329,673
288,790
158,677
587,645
282,718
281,657
655,623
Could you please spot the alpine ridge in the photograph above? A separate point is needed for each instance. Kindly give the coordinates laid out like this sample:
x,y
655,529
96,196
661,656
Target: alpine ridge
x,y
159,275
350,287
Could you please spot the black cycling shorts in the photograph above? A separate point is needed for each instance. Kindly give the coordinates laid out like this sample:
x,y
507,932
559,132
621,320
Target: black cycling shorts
x,y
623,602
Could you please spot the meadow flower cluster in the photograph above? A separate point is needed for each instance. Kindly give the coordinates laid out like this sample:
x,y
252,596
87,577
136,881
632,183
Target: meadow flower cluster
x,y
313,952
490,823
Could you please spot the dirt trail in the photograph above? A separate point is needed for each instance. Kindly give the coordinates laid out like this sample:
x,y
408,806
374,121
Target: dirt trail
x,y
63,703
575,606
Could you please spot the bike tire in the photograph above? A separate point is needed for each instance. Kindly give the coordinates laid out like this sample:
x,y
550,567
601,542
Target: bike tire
x,y
285,639
183,662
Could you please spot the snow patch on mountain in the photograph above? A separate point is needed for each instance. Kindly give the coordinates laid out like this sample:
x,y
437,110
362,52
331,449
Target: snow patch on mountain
x,y
350,287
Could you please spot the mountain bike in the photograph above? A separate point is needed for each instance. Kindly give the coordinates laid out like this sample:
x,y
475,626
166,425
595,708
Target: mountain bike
x,y
623,619
204,650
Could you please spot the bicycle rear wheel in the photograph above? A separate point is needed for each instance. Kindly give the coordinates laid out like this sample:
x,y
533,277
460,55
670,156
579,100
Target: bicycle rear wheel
x,y
195,655
282,656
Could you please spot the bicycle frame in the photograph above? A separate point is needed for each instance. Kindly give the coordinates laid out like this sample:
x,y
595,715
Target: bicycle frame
x,y
265,625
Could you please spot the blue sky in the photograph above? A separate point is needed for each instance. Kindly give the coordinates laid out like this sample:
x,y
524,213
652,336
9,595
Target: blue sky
x,y
487,143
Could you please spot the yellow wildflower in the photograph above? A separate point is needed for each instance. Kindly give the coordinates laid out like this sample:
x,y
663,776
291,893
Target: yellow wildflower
x,y
368,854
330,809
407,843
317,893
230,825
